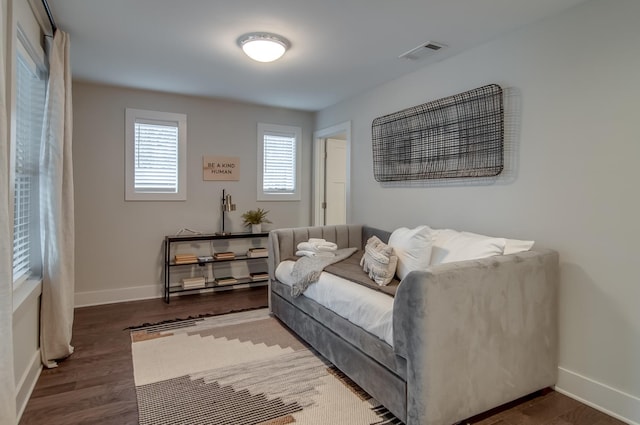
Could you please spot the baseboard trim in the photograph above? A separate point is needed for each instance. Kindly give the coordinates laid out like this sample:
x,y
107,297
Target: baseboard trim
x,y
136,293
110,296
609,400
27,383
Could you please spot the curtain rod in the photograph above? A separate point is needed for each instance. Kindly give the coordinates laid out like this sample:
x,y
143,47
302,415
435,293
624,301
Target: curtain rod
x,y
50,16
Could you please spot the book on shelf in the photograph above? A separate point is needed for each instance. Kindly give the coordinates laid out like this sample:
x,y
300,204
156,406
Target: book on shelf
x,y
194,261
194,282
224,255
257,252
180,256
185,258
227,280
204,258
259,276
193,287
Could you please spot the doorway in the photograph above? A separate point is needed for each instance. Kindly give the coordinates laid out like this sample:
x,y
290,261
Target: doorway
x,y
331,175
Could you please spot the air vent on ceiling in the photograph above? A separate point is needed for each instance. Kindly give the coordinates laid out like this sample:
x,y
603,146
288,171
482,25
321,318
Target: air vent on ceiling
x,y
422,51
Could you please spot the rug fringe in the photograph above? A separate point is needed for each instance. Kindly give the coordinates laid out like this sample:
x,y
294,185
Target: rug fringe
x,y
200,316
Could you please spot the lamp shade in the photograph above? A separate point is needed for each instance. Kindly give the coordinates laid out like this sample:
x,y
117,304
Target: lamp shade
x,y
263,47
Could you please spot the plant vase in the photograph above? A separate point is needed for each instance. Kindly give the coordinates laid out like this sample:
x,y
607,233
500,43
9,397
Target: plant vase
x,y
255,218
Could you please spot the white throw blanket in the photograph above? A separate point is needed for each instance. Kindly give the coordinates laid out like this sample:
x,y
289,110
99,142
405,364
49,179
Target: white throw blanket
x,y
315,247
305,253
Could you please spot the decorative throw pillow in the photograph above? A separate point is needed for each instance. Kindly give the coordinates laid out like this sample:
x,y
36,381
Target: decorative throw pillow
x,y
450,246
379,261
413,248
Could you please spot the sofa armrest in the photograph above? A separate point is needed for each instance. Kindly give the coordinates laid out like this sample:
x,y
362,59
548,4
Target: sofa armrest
x,y
477,334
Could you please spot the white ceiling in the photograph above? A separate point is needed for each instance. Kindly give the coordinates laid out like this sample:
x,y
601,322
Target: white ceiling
x,y
339,47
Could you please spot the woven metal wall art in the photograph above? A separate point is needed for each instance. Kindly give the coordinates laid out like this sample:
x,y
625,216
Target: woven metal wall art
x,y
457,136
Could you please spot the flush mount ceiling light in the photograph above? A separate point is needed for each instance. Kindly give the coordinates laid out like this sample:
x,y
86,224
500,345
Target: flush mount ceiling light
x,y
263,46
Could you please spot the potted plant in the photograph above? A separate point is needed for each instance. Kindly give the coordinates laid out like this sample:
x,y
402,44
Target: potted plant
x,y
255,218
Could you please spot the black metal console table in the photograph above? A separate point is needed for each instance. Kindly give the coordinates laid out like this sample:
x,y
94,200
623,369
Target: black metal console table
x,y
211,285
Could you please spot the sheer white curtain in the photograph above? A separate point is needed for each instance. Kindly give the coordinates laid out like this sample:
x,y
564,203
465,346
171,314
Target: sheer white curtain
x,y
56,209
7,385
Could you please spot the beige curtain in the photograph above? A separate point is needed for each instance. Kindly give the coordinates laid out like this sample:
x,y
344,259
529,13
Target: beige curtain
x,y
7,385
56,209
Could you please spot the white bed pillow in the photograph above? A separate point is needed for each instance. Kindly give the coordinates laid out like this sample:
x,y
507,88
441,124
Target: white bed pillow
x,y
413,248
440,238
513,246
450,245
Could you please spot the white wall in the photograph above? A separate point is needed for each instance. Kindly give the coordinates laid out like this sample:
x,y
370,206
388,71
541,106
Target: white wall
x,y
118,243
574,85
26,341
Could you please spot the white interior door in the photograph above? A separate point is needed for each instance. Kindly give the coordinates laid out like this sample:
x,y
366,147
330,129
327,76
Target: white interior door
x,y
331,175
335,182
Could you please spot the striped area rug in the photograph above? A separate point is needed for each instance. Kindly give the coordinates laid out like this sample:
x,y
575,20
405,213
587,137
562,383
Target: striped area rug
x,y
241,369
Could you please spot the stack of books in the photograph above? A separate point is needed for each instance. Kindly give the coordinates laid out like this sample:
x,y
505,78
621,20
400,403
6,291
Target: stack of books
x,y
259,276
228,255
227,280
193,282
186,258
257,252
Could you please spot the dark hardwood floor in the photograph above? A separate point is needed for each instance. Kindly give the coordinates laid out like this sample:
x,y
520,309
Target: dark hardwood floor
x,y
95,385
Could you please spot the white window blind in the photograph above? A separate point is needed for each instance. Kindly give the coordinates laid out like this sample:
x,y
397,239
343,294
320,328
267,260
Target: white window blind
x,y
30,96
279,175
156,156
278,162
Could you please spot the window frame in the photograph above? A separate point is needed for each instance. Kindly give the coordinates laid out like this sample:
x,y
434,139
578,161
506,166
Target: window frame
x,y
279,130
131,116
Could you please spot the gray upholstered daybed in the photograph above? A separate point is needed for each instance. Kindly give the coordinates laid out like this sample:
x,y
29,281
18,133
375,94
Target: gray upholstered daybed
x,y
467,337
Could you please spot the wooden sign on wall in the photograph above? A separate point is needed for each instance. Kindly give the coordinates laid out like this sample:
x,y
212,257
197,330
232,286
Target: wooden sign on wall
x,y
220,168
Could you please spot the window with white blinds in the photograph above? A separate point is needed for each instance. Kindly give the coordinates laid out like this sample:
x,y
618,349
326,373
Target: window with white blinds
x,y
156,152
30,98
156,157
278,162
